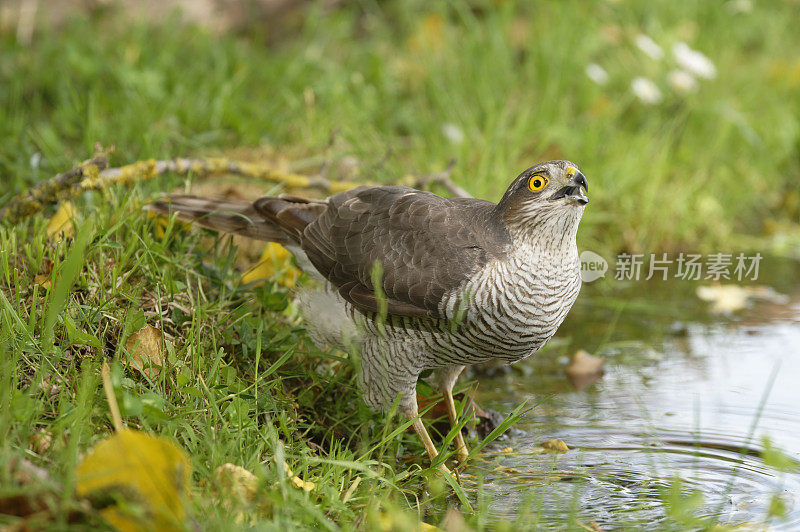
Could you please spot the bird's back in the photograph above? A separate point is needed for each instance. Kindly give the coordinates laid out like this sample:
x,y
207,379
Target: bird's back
x,y
426,246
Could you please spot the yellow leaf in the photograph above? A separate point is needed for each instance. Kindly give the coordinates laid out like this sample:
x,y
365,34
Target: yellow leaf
x,y
146,347
555,446
147,478
298,482
274,259
60,225
235,482
161,222
388,522
235,489
729,298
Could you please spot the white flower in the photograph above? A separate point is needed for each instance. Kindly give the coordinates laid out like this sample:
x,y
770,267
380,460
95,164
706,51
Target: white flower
x,y
682,82
647,91
597,73
649,46
693,61
453,133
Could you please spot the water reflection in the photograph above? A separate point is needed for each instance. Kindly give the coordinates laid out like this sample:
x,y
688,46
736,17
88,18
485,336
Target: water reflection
x,y
692,401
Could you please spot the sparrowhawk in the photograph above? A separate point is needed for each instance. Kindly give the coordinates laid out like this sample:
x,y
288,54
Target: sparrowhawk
x,y
459,280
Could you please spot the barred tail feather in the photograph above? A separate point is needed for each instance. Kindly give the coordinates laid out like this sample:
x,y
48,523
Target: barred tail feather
x,y
230,216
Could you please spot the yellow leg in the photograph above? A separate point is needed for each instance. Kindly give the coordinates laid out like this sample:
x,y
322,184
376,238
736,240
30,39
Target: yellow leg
x,y
445,381
422,432
461,447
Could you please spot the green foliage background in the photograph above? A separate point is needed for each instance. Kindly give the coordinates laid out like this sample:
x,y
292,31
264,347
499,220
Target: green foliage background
x,y
378,82
385,78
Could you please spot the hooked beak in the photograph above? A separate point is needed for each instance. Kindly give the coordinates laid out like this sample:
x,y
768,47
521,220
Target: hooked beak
x,y
572,190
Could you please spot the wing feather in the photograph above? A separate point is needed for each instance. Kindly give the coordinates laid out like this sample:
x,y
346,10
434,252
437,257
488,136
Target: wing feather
x,y
426,245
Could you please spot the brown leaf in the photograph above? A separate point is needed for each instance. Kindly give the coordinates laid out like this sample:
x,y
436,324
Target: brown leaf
x,y
42,280
584,369
146,347
40,441
45,275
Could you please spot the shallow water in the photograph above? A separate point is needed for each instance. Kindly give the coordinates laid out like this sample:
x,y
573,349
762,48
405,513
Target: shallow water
x,y
685,394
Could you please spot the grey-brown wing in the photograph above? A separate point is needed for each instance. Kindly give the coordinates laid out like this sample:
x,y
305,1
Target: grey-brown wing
x,y
426,246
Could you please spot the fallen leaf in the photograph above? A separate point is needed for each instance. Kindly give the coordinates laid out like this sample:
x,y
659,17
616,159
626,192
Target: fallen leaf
x,y
584,369
145,347
235,482
298,482
161,222
140,481
236,488
60,225
555,446
40,441
729,298
42,280
388,522
275,259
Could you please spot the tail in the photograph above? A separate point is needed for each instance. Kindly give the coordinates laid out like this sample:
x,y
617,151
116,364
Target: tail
x,y
272,219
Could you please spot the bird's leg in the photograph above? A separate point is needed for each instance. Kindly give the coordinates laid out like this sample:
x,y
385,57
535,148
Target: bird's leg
x,y
461,447
422,432
447,379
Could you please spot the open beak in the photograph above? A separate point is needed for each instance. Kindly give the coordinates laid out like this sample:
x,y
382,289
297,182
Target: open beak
x,y
572,190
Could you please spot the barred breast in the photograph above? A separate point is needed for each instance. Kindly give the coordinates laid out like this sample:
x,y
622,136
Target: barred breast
x,y
513,307
510,309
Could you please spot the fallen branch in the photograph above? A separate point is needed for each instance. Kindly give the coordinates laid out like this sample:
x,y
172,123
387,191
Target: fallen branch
x,y
443,180
61,187
94,174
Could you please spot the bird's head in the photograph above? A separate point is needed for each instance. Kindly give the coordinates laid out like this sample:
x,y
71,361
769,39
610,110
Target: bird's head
x,y
553,191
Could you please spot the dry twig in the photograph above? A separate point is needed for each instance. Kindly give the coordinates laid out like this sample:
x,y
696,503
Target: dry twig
x,y
94,174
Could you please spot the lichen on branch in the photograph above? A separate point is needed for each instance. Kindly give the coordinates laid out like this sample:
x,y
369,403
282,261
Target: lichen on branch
x,y
94,174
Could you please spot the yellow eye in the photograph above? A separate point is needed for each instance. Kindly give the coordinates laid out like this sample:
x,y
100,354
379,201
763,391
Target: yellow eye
x,y
537,182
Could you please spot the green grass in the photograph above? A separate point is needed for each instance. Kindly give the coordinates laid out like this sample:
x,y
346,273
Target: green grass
x,y
383,79
243,383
